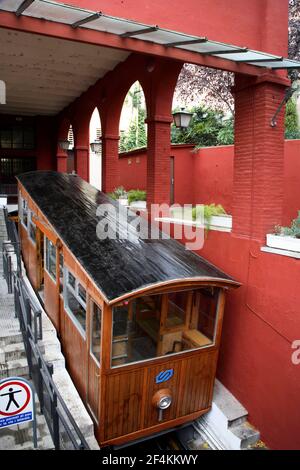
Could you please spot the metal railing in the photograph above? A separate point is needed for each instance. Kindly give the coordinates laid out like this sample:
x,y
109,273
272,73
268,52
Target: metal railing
x,y
13,238
64,431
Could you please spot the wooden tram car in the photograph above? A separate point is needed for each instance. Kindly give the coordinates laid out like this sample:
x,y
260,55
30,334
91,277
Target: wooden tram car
x,y
139,320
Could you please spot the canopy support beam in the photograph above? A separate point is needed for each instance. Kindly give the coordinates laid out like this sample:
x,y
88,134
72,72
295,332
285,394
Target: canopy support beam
x,y
241,50
23,7
88,19
183,43
128,34
254,61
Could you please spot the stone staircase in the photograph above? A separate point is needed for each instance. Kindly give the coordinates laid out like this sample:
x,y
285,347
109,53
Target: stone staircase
x,y
13,363
226,425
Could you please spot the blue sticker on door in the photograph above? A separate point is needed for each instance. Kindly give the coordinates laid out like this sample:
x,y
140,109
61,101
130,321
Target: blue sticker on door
x,y
164,375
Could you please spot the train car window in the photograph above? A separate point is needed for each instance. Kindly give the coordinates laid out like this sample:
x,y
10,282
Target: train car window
x,y
24,213
75,303
50,258
71,280
82,293
32,227
95,331
159,325
177,306
61,272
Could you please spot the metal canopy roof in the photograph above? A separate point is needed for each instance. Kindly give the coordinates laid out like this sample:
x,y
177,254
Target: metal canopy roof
x,y
98,21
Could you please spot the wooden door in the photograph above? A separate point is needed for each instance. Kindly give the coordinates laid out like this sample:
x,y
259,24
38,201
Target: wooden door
x,y
172,181
93,382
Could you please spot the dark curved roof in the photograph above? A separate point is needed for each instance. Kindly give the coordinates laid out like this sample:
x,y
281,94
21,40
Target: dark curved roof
x,y
117,266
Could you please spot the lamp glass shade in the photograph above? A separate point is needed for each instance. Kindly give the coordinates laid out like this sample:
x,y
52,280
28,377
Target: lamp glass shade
x,y
182,118
64,144
96,146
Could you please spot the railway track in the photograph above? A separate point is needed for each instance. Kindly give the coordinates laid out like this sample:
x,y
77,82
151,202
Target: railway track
x,y
188,438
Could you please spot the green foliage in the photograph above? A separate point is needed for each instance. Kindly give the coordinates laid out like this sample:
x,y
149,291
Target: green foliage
x,y
292,231
209,210
136,135
136,195
207,128
226,134
292,129
118,193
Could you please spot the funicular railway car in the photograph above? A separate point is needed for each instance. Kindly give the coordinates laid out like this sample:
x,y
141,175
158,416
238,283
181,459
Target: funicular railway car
x,y
139,319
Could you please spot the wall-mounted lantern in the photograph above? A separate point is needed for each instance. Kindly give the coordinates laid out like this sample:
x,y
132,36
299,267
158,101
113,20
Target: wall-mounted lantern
x,y
64,144
96,146
182,118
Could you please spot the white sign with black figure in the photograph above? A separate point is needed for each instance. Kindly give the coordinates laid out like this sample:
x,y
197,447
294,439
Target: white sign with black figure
x,y
16,403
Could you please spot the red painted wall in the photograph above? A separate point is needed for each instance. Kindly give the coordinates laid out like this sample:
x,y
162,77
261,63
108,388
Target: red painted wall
x,y
261,322
259,24
206,176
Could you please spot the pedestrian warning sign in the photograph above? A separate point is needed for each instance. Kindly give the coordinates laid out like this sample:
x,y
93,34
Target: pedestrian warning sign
x,y
16,402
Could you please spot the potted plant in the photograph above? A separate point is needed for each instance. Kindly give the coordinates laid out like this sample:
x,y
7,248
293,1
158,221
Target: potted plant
x,y
286,238
214,215
119,194
137,198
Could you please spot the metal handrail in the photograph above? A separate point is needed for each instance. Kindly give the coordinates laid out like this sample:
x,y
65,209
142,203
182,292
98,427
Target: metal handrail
x,y
12,235
59,418
26,312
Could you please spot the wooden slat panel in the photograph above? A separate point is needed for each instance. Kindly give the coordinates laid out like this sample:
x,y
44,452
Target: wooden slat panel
x,y
197,382
173,384
51,299
93,386
123,403
74,348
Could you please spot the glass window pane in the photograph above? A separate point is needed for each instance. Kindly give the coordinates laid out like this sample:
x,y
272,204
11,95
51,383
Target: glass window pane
x,y
61,271
159,325
32,229
28,138
51,258
96,331
17,138
24,218
177,303
71,280
6,138
76,309
81,293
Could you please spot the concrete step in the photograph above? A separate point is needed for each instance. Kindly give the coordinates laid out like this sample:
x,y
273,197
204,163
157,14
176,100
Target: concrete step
x,y
20,437
17,368
225,426
12,352
246,435
11,339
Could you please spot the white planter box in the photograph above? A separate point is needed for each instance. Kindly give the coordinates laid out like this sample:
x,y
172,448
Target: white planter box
x,y
139,204
123,202
222,221
283,242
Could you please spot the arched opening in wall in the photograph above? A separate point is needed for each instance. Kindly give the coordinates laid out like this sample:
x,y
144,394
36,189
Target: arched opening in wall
x,y
206,94
95,134
133,129
133,144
